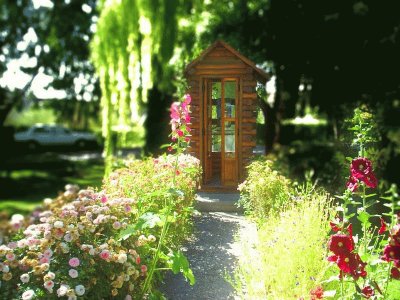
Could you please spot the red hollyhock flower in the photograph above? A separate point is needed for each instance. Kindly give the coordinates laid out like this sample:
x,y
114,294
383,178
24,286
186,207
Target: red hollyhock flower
x,y
391,253
360,167
341,244
350,230
367,292
317,293
395,273
335,227
352,264
383,227
352,184
370,180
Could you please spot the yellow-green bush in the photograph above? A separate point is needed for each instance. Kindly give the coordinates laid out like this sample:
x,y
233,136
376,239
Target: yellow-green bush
x,y
289,257
264,191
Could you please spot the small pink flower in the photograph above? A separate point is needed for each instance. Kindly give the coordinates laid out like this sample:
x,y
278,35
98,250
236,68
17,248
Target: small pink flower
x,y
179,132
73,273
128,208
74,262
105,254
48,253
187,98
116,225
44,260
138,260
12,245
49,284
103,199
143,268
10,256
352,184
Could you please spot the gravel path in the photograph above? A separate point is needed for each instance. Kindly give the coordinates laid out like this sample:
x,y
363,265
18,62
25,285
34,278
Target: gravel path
x,y
212,254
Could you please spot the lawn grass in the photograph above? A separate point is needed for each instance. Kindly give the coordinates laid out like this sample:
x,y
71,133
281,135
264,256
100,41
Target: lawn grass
x,y
24,189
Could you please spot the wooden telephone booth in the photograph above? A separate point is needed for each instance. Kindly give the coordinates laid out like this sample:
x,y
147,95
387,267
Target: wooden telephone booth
x,y
222,85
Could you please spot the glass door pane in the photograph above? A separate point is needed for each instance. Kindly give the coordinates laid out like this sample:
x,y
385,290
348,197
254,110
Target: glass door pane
x,y
230,98
216,116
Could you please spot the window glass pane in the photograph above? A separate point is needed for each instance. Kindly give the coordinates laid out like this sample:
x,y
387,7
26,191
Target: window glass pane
x,y
229,139
216,117
230,97
216,100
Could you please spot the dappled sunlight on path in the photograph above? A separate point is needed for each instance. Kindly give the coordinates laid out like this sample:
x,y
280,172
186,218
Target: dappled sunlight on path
x,y
212,255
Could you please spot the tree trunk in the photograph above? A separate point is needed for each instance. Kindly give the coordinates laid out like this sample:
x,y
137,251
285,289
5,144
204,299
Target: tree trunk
x,y
156,124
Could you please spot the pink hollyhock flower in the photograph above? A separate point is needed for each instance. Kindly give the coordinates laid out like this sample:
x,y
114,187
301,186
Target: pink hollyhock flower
x,y
352,184
360,167
175,114
383,227
187,118
74,262
179,132
367,292
187,99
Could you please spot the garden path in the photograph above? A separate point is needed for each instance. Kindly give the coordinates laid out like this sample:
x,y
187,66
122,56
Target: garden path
x,y
212,253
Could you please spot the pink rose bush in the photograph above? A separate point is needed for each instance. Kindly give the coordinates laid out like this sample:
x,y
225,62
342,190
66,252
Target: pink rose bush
x,y
74,246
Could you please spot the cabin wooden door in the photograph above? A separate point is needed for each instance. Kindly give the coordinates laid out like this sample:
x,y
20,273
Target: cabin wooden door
x,y
220,160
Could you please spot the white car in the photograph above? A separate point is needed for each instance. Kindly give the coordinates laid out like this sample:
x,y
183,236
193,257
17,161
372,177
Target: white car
x,y
54,135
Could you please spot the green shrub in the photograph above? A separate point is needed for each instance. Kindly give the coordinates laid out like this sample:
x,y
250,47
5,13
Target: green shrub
x,y
264,191
289,256
102,244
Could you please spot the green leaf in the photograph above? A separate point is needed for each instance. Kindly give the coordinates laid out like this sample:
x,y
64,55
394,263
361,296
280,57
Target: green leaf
x,y
363,217
176,192
127,232
181,264
148,220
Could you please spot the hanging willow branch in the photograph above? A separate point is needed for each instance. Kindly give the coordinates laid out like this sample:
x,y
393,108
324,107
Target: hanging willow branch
x,y
131,50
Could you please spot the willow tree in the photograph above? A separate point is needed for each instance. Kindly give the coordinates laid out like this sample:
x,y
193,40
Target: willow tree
x,y
132,50
116,54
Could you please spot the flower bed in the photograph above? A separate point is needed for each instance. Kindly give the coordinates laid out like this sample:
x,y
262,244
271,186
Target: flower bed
x,y
100,244
309,249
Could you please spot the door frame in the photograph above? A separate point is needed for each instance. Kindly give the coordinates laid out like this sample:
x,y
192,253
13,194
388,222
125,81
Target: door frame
x,y
206,132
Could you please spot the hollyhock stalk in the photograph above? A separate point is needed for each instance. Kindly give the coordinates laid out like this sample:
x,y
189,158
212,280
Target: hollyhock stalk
x,y
179,118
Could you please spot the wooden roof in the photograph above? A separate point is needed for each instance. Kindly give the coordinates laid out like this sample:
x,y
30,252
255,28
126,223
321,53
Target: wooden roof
x,y
264,77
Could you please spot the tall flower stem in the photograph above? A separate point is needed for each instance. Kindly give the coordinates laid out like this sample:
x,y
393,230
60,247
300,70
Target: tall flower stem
x,y
363,195
387,280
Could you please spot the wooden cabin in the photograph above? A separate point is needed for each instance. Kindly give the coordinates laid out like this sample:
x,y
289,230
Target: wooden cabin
x,y
222,84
